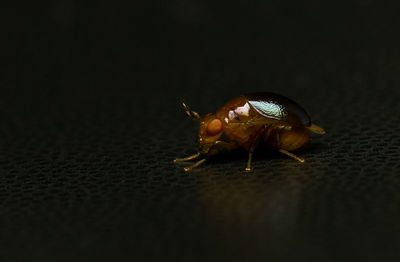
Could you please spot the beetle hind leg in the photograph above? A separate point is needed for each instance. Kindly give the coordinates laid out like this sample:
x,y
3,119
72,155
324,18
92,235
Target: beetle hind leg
x,y
301,160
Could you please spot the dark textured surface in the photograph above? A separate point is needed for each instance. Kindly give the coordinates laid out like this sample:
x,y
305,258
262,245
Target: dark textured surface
x,y
90,123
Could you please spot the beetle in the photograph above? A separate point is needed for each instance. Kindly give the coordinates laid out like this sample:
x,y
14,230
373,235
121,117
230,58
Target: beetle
x,y
249,121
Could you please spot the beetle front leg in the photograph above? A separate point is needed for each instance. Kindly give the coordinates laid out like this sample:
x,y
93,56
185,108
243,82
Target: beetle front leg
x,y
187,158
226,145
195,165
214,150
220,146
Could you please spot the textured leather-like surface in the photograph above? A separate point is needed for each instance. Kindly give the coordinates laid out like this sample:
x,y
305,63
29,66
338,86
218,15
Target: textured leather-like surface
x,y
90,123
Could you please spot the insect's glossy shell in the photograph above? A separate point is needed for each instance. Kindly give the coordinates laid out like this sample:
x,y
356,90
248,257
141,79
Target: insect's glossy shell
x,y
278,107
244,117
264,107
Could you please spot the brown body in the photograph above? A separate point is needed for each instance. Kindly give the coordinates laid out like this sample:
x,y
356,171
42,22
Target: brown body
x,y
253,120
239,120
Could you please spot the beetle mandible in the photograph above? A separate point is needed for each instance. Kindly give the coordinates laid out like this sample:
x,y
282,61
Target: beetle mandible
x,y
252,120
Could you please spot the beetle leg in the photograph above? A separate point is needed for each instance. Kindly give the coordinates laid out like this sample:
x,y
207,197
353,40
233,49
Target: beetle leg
x,y
226,145
187,158
251,150
254,144
283,151
220,146
248,166
301,160
195,165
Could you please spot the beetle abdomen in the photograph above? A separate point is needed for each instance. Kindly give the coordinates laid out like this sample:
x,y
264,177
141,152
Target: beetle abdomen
x,y
294,139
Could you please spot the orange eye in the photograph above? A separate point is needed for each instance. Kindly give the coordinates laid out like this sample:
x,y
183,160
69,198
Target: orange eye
x,y
214,127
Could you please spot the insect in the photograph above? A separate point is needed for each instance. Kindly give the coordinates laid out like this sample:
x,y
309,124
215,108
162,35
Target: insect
x,y
250,121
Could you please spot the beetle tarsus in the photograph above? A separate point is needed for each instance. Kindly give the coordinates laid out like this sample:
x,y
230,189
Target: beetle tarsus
x,y
301,160
187,158
195,165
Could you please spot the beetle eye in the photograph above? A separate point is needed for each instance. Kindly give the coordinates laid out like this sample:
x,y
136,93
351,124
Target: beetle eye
x,y
214,127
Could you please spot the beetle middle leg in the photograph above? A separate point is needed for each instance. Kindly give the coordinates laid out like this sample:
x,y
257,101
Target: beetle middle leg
x,y
248,166
251,150
253,145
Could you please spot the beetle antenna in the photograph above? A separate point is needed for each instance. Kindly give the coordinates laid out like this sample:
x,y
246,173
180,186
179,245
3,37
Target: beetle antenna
x,y
194,115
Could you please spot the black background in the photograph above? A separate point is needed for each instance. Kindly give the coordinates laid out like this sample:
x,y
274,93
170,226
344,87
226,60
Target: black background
x,y
90,122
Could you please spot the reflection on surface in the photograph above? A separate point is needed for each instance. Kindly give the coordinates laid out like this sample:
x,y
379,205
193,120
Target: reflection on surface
x,y
260,206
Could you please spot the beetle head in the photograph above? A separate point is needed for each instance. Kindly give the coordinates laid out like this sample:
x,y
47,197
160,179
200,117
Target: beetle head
x,y
210,131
